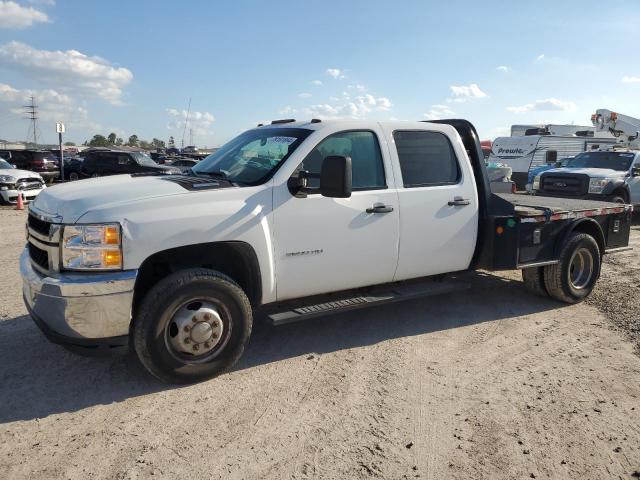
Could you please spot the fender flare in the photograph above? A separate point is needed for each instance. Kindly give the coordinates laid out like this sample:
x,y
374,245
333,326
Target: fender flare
x,y
583,225
617,184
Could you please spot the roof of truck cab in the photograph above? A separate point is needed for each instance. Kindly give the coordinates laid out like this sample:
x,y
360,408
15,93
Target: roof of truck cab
x,y
322,124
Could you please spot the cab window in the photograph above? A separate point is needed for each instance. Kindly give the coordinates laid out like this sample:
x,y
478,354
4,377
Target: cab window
x,y
366,159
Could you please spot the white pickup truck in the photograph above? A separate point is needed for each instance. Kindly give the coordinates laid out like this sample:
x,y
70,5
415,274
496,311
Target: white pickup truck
x,y
291,220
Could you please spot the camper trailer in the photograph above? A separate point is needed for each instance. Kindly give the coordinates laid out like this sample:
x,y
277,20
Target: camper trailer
x,y
522,153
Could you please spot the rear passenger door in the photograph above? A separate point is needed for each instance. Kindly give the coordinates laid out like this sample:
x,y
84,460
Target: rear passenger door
x,y
438,202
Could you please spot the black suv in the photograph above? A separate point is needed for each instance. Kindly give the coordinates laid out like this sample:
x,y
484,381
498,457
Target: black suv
x,y
40,161
113,162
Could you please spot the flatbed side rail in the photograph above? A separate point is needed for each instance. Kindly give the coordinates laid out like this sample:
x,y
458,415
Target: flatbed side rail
x,y
549,216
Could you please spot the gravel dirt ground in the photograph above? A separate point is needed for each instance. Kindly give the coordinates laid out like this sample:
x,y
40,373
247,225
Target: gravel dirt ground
x,y
494,383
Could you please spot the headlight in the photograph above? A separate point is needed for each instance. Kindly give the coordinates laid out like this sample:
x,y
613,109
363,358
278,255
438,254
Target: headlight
x,y
596,185
8,179
536,183
92,247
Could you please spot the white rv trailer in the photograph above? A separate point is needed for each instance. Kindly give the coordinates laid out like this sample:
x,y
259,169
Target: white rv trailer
x,y
552,129
522,153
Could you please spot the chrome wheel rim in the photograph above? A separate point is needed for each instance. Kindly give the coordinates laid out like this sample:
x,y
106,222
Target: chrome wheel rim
x,y
581,268
197,331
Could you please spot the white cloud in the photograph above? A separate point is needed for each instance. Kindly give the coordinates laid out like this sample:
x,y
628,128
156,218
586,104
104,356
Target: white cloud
x,y
316,82
69,69
358,107
540,57
628,79
304,95
548,104
503,68
14,15
199,122
287,110
335,73
462,93
438,112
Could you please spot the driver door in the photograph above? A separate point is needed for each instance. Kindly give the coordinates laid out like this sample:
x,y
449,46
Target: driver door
x,y
328,244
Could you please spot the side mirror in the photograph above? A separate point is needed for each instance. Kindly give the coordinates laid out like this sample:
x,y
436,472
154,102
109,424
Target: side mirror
x,y
551,157
635,171
335,177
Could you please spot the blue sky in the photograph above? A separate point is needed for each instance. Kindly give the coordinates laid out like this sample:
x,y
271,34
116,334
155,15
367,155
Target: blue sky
x,y
131,67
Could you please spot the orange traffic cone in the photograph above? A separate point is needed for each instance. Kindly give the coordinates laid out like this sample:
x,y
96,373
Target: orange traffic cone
x,y
20,202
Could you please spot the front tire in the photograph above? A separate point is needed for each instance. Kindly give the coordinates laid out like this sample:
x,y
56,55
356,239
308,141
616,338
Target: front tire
x,y
191,326
73,176
572,279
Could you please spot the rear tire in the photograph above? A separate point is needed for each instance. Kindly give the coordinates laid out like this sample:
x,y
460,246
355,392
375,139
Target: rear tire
x,y
572,279
533,279
158,331
73,176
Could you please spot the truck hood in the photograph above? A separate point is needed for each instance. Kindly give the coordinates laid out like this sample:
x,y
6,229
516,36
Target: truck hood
x,y
591,172
14,172
67,202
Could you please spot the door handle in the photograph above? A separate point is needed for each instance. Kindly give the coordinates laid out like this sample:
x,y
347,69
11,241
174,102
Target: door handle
x,y
458,202
380,208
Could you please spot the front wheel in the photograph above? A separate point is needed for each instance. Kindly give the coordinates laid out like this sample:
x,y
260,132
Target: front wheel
x,y
73,176
575,275
192,326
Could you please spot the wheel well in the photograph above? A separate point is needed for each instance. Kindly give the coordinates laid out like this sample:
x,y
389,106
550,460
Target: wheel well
x,y
622,192
237,260
590,227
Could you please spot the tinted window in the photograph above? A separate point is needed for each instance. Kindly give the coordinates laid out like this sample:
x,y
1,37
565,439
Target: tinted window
x,y
366,160
124,160
426,158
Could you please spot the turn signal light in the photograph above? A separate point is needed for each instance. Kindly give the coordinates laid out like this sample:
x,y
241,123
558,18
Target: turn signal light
x,y
111,258
111,236
614,116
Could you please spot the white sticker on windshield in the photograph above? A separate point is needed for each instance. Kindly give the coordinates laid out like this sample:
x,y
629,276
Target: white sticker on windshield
x,y
283,140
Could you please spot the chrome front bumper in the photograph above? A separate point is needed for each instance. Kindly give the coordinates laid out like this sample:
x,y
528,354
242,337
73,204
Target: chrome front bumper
x,y
78,307
11,195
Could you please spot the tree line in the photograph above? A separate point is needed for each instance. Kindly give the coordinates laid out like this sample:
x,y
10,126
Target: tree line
x,y
112,140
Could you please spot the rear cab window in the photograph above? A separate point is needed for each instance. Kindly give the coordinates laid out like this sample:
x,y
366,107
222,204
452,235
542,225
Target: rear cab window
x,y
426,158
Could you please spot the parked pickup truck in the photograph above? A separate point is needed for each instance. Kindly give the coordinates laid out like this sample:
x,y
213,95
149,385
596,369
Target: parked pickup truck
x,y
289,221
612,175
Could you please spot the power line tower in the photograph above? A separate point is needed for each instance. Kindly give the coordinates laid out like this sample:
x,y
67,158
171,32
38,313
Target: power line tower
x,y
190,136
31,112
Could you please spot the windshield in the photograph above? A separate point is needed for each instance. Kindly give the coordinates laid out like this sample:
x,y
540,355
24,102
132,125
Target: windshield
x,y
612,160
4,164
254,156
143,159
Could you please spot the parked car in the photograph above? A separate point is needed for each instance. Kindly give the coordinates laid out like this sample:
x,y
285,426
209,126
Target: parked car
x,y
5,155
72,168
42,162
190,149
291,222
14,181
612,176
112,162
184,164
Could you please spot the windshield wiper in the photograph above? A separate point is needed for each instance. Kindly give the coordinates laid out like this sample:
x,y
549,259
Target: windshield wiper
x,y
220,174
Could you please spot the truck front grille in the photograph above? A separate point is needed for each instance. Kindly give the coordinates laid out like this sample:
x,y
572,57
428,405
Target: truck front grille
x,y
559,184
28,184
38,225
39,256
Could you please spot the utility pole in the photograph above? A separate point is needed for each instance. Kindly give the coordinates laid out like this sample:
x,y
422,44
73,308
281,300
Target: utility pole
x,y
190,136
186,121
31,111
60,131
